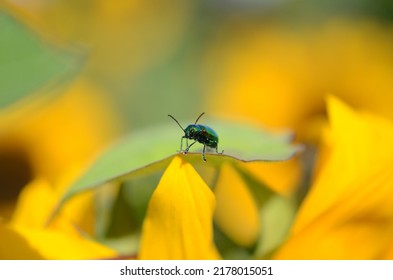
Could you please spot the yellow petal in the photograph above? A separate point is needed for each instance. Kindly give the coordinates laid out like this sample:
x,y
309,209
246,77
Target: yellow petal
x,y
178,223
281,81
60,133
25,243
35,202
389,252
59,136
347,213
87,127
358,226
282,177
237,211
362,143
13,246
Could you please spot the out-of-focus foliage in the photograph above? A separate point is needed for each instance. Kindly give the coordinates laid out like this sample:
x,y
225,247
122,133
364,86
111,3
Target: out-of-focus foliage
x,y
27,64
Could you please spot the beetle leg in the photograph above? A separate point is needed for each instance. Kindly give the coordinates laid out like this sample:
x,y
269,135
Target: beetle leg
x,y
181,144
218,152
186,150
203,152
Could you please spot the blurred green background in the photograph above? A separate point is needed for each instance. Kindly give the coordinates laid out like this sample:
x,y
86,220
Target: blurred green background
x,y
150,58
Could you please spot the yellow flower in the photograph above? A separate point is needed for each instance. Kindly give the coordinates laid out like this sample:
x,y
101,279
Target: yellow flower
x,y
57,138
18,242
179,219
59,133
278,75
282,177
348,212
237,212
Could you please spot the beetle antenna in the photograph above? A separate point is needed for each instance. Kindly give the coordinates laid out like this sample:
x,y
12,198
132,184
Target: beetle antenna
x,y
199,117
176,122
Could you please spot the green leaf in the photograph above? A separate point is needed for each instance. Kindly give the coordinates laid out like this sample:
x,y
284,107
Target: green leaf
x,y
27,64
276,218
152,149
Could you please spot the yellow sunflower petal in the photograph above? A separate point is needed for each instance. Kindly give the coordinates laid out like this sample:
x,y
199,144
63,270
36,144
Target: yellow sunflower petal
x,y
63,132
60,136
348,214
14,247
358,226
24,243
389,252
280,80
35,202
358,144
237,211
178,223
282,177
69,131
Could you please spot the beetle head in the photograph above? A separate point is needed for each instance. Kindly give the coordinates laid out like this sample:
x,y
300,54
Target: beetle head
x,y
190,131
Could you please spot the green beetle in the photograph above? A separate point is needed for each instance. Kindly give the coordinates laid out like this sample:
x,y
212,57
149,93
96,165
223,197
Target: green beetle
x,y
199,133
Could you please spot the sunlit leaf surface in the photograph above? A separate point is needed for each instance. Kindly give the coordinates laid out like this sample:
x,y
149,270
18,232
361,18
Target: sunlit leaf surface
x,y
152,149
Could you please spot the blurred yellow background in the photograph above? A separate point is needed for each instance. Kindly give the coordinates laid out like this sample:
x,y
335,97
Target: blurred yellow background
x,y
183,57
267,62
